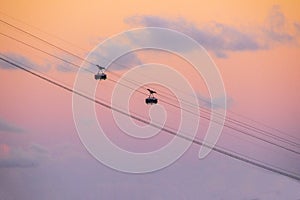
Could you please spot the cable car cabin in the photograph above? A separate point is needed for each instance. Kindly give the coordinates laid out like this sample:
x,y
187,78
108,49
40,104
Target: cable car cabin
x,y
151,100
100,76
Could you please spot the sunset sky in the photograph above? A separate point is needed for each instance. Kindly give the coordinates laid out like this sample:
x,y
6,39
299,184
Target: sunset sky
x,y
255,46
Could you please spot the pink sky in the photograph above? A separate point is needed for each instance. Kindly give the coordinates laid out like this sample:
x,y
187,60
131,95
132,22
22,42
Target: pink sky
x,y
255,46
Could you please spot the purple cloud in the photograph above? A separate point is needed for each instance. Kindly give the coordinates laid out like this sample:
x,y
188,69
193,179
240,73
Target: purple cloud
x,y
276,26
19,59
222,38
8,127
214,36
102,58
17,157
297,27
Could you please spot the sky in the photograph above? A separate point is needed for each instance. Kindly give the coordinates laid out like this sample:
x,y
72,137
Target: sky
x,y
254,44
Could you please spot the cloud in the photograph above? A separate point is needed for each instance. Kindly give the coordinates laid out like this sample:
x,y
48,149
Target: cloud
x,y
297,27
277,25
223,38
68,63
214,36
14,57
104,56
206,102
65,68
61,66
126,61
39,149
8,127
18,157
23,61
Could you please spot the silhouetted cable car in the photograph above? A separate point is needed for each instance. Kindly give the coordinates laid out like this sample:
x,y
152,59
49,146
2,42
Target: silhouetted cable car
x,y
100,75
151,99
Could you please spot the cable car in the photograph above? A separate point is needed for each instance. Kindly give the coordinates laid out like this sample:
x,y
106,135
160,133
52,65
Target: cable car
x,y
151,99
100,75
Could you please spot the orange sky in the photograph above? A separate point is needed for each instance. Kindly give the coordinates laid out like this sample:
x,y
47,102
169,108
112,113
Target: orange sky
x,y
77,21
261,71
